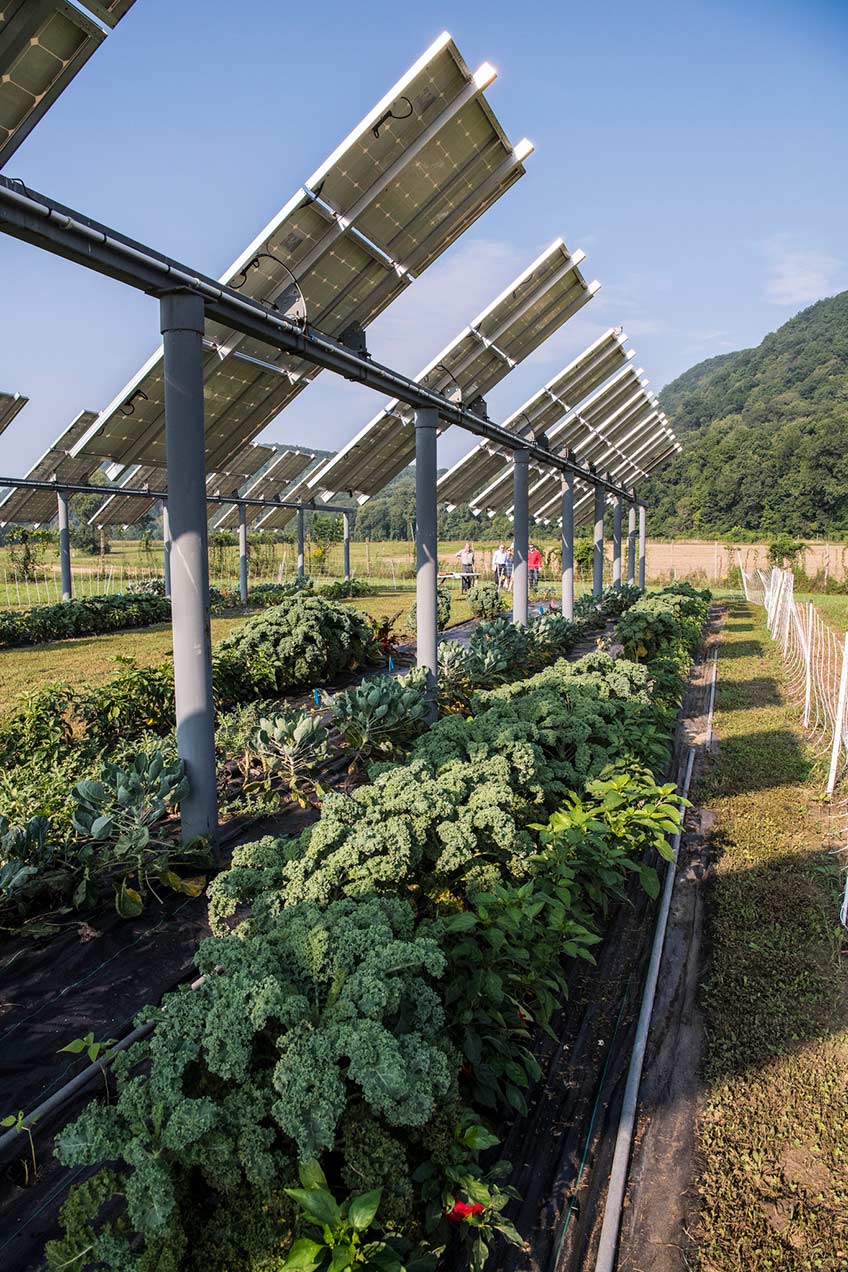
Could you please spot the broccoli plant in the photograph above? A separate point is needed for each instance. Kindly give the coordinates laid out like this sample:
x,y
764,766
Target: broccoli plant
x,y
443,609
486,600
291,745
380,715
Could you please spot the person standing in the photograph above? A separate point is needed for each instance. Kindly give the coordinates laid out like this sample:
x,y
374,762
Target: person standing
x,y
534,565
506,577
466,560
498,563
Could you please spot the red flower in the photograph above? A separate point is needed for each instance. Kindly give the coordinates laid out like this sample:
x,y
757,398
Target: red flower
x,y
463,1210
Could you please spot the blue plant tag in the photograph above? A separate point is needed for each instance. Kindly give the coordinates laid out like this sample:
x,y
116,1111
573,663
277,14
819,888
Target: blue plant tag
x,y
391,663
316,695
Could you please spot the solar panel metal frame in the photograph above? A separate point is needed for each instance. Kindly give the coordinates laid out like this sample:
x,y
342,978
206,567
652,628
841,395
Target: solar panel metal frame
x,y
247,383
39,506
476,360
11,404
125,510
109,11
582,376
49,67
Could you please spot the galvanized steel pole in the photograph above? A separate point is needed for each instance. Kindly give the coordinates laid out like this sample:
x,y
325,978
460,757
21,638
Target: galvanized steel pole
x,y
426,548
616,541
182,324
643,538
166,548
568,545
346,525
300,539
520,530
631,544
598,555
242,540
64,545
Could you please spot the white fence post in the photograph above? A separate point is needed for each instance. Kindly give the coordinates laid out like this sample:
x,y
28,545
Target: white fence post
x,y
839,722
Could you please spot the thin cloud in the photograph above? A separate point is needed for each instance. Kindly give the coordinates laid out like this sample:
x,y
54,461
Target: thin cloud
x,y
797,276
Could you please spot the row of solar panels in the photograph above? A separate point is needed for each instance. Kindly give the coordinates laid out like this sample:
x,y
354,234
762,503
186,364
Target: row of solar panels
x,y
422,166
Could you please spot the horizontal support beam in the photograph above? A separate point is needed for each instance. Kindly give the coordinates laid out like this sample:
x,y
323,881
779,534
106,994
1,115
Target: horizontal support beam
x,y
37,220
142,492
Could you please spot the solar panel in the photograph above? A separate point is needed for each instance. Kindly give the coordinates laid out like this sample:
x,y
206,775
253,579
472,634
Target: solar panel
x,y
124,510
484,463
40,505
284,468
43,44
10,405
424,164
279,518
521,318
626,386
247,463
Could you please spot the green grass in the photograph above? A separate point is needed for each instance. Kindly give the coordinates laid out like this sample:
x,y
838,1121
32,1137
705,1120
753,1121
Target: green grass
x,y
773,1142
833,608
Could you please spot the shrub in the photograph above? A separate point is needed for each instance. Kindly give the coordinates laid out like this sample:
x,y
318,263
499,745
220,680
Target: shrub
x,y
486,600
87,616
443,610
307,641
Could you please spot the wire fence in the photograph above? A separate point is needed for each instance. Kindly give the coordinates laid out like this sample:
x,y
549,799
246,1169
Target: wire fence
x,y
816,659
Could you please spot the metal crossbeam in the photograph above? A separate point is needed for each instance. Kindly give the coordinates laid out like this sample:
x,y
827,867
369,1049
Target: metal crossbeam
x,y
144,492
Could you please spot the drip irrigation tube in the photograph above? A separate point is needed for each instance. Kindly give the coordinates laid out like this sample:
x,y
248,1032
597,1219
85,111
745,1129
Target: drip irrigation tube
x,y
618,1176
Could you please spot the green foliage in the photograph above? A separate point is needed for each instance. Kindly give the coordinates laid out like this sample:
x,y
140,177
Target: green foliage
x,y
340,589
381,715
307,641
291,745
84,617
785,549
443,609
486,600
765,436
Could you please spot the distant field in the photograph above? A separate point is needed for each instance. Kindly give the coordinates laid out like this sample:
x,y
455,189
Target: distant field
x,y
833,609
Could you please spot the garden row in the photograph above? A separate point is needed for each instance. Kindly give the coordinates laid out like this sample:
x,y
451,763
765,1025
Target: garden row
x,y
73,822
143,604
374,985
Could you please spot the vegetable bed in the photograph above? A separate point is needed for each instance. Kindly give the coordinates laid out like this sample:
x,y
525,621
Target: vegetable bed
x,y
331,1086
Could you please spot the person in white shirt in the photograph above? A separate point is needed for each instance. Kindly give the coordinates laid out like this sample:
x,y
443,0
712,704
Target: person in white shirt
x,y
498,563
466,560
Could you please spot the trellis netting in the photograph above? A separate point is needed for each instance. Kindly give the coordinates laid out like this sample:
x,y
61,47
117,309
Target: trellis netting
x,y
817,662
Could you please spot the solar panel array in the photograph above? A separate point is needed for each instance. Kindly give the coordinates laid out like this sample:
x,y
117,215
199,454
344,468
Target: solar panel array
x,y
124,510
39,506
481,466
271,483
521,318
10,405
43,44
422,166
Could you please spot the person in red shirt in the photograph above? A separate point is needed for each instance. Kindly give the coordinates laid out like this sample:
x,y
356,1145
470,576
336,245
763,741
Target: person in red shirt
x,y
534,565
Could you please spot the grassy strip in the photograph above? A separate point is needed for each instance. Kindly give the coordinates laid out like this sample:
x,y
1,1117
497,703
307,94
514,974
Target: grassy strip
x,y
774,1152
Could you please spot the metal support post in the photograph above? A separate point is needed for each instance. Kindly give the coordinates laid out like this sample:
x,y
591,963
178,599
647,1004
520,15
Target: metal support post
x,y
182,324
568,545
839,722
64,545
346,525
631,544
166,548
520,533
643,539
616,541
242,537
598,555
300,540
426,548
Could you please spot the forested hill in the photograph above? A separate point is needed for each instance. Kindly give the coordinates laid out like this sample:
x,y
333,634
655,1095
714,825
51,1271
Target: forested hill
x,y
764,434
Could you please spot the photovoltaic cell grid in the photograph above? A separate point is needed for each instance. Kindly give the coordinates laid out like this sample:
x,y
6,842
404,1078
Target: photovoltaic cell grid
x,y
480,466
10,405
43,44
279,518
123,510
535,305
423,165
283,469
38,506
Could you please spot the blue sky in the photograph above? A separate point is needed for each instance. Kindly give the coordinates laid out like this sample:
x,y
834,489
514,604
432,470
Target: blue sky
x,y
695,150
